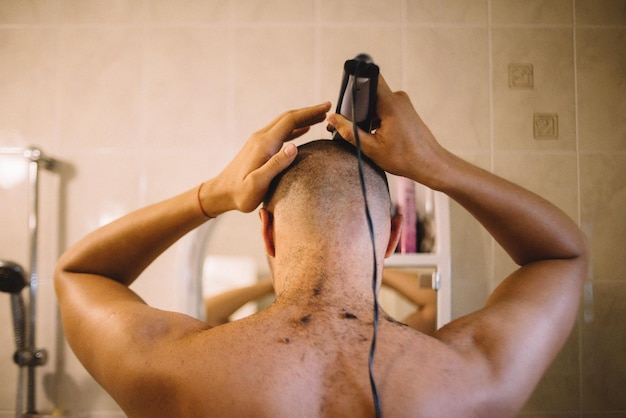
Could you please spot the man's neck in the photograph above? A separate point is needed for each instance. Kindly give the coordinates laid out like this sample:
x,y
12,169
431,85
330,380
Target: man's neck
x,y
323,285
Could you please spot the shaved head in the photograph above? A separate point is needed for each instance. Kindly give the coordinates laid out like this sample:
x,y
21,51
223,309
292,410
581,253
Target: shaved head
x,y
321,191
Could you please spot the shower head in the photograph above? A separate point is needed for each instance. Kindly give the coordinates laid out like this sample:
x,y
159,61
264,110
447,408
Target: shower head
x,y
12,277
12,280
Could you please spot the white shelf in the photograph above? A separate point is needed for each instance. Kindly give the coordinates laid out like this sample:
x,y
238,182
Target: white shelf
x,y
414,260
439,259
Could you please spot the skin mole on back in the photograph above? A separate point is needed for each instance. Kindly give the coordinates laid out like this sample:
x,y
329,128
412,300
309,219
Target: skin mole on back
x,y
317,290
348,315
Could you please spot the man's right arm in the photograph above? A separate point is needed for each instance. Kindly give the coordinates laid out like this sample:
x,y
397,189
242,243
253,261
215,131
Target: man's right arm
x,y
529,316
527,319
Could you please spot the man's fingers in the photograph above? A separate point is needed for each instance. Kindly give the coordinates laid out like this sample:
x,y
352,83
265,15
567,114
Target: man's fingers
x,y
285,124
345,128
296,133
384,97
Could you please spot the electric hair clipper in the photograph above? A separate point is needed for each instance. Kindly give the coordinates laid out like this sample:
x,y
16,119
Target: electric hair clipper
x,y
357,97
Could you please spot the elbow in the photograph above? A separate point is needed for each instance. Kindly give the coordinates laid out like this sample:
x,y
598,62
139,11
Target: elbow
x,y
572,245
579,257
580,248
61,266
63,272
60,274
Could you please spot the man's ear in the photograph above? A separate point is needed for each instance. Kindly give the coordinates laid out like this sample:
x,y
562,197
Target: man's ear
x,y
394,236
267,230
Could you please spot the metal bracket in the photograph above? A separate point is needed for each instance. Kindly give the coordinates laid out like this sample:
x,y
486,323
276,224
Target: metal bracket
x,y
27,357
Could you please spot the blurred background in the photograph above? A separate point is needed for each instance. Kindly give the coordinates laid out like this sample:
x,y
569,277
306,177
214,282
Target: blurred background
x,y
143,99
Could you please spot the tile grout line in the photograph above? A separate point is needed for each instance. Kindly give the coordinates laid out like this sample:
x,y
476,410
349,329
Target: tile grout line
x,y
578,197
492,249
404,44
146,45
317,51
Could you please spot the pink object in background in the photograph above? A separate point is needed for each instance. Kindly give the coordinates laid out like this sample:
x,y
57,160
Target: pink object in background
x,y
406,206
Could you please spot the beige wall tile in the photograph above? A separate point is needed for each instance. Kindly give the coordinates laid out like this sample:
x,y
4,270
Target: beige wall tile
x,y
552,175
28,86
559,389
447,79
9,387
186,168
102,11
472,258
361,11
186,86
187,11
603,205
600,12
100,87
29,12
447,11
472,254
531,12
260,11
272,70
604,341
551,55
104,186
601,64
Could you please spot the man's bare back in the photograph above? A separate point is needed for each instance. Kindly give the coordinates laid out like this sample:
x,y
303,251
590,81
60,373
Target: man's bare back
x,y
285,362
308,354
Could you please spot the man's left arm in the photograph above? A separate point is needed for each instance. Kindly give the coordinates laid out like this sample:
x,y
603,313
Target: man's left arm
x,y
105,322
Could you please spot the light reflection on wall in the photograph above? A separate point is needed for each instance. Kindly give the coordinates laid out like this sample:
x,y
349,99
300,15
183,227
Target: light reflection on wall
x,y
13,170
110,213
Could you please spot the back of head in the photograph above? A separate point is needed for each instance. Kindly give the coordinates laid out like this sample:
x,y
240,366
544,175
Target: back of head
x,y
320,193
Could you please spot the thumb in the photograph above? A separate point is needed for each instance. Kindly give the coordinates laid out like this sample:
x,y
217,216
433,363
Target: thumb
x,y
345,128
256,183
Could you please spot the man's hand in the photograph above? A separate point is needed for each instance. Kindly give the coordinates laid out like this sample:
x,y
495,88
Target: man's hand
x,y
242,185
403,144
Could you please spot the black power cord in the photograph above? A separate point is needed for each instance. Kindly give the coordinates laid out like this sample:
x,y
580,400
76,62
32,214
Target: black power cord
x,y
370,225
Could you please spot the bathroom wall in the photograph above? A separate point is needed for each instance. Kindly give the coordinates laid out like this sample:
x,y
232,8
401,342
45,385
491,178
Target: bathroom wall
x,y
142,99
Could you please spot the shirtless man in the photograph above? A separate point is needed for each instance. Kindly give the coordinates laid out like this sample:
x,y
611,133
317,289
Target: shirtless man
x,y
307,354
